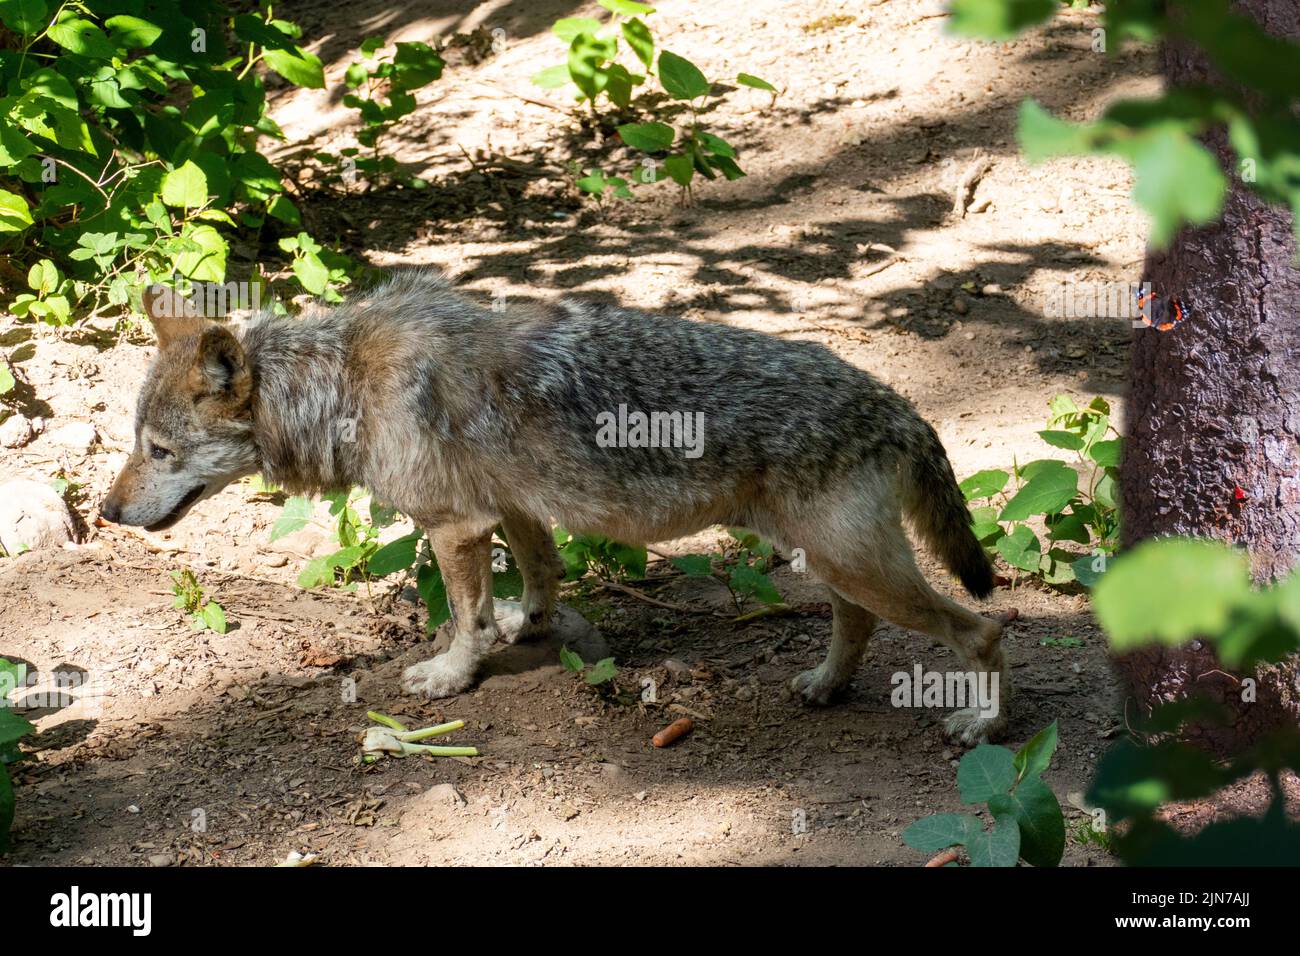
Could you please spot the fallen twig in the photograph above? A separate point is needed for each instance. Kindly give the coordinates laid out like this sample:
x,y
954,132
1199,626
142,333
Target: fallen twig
x,y
943,859
979,166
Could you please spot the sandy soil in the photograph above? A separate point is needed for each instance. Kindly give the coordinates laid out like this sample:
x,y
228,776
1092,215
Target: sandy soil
x,y
238,748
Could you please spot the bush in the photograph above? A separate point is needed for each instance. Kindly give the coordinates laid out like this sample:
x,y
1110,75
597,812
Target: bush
x,y
128,147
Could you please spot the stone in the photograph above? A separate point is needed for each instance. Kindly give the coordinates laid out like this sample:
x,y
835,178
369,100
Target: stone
x,y
33,516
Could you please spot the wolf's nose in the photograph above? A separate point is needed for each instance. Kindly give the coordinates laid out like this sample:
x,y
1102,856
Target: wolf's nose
x,y
110,511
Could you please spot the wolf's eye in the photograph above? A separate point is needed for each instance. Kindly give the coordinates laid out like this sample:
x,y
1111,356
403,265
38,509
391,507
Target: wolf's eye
x,y
159,453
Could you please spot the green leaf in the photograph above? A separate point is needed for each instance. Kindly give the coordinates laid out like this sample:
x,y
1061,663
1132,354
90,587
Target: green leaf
x,y
1047,492
694,565
1170,590
985,772
984,484
83,37
6,378
1106,453
315,572
1068,527
1036,756
746,580
1058,439
1020,548
27,17
311,272
300,68
758,83
433,591
1037,814
552,77
282,209
415,65
129,33
984,524
681,79
942,830
345,559
639,39
297,512
1089,569
208,262
568,28
1177,180
681,169
651,137
14,146
14,214
627,8
1042,136
587,58
1132,779
12,727
397,555
1001,847
601,671
715,144
571,661
214,616
185,187
997,19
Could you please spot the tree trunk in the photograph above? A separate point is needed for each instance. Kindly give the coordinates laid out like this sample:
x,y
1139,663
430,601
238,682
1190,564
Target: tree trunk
x,y
1213,415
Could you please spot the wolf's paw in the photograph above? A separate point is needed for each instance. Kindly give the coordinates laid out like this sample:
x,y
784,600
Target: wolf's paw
x,y
969,727
436,678
816,687
515,628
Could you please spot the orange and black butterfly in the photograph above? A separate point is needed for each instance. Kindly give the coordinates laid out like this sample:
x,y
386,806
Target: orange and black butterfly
x,y
1160,314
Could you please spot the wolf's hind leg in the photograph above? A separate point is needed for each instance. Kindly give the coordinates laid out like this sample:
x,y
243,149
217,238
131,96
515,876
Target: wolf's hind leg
x,y
540,565
887,581
851,628
464,553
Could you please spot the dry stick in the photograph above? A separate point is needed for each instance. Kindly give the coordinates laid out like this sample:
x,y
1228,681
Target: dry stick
x,y
881,267
527,99
943,859
633,592
979,165
149,543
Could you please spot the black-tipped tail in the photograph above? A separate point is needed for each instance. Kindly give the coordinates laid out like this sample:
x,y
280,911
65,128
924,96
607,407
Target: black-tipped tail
x,y
938,510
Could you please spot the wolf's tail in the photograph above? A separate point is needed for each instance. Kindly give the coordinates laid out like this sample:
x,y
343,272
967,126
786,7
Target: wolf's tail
x,y
938,510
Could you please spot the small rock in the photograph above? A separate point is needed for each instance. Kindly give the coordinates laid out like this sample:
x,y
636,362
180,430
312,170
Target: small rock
x,y
960,305
991,289
445,794
744,693
566,811
15,431
33,515
78,437
679,670
161,859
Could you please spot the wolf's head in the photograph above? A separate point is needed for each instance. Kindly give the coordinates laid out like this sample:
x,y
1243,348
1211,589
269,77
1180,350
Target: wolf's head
x,y
193,423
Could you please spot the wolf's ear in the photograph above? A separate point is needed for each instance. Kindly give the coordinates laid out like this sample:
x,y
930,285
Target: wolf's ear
x,y
174,317
220,368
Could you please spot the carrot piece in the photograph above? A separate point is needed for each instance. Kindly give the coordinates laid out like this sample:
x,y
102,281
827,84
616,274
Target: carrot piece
x,y
943,859
673,732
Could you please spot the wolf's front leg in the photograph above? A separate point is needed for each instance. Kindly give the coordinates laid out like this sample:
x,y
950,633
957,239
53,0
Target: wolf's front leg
x,y
539,563
464,553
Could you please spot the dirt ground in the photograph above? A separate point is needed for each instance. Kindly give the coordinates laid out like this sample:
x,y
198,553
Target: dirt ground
x,y
236,749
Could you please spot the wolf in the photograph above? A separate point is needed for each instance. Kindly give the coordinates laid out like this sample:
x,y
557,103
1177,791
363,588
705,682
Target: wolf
x,y
469,418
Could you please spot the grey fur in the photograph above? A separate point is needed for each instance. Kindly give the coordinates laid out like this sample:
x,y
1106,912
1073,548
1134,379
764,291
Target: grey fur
x,y
464,417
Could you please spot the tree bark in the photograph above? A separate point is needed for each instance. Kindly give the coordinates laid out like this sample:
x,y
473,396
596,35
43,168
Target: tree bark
x,y
1213,415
